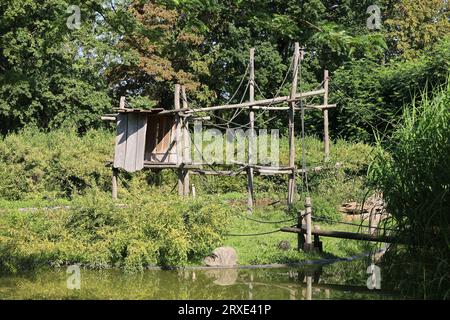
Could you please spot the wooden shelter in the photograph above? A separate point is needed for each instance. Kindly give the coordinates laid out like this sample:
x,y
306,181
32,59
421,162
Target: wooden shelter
x,y
159,138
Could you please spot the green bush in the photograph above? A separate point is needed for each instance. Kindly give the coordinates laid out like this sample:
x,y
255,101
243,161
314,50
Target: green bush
x,y
59,163
96,233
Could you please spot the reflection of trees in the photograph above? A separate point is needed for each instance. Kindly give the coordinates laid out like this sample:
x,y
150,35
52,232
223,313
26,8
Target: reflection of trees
x,y
309,282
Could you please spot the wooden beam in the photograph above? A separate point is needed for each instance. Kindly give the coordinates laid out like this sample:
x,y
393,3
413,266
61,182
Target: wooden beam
x,y
251,136
186,143
178,140
291,183
258,104
342,235
105,118
326,136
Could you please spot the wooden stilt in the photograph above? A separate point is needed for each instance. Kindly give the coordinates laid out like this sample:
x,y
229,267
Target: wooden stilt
x,y
186,144
291,185
115,173
251,137
193,191
308,244
178,141
326,137
300,236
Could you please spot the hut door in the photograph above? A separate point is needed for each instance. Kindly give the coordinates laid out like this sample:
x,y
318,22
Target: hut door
x,y
130,141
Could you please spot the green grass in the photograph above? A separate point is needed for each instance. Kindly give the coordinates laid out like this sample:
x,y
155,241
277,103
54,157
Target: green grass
x,y
263,249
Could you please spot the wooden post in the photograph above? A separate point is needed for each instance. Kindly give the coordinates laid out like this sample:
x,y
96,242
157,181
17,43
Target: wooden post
x,y
115,173
186,149
308,244
300,236
122,103
178,140
251,135
326,137
291,185
193,191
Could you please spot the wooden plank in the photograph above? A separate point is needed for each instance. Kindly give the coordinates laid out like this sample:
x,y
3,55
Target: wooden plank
x,y
140,144
130,154
121,141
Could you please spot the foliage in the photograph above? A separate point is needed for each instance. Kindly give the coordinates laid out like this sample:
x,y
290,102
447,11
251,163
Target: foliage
x,y
415,25
56,164
51,75
371,97
414,177
96,233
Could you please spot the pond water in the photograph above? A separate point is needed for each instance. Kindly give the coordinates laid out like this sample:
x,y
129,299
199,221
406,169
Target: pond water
x,y
342,280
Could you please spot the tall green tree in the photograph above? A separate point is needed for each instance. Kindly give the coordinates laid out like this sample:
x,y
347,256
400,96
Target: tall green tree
x,y
50,74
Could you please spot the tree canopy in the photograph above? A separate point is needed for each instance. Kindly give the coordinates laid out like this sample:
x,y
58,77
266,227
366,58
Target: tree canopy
x,y
53,75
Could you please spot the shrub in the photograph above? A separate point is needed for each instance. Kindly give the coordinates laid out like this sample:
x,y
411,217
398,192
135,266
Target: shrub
x,y
96,233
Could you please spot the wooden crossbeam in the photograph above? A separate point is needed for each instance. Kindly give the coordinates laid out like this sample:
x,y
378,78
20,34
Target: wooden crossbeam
x,y
342,234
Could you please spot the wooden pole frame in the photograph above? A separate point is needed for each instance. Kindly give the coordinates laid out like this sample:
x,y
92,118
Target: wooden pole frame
x,y
291,183
178,140
265,104
326,136
186,145
250,200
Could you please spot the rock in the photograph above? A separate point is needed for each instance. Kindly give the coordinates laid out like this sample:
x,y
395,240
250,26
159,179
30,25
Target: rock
x,y
222,257
284,245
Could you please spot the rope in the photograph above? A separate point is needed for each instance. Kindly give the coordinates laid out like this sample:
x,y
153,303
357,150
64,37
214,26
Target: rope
x,y
266,221
252,234
240,84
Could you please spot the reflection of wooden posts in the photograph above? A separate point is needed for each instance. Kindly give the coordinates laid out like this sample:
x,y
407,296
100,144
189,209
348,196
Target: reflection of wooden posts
x,y
115,173
291,185
326,137
251,133
250,288
309,287
186,145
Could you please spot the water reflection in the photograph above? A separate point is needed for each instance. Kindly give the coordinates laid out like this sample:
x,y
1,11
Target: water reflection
x,y
338,281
